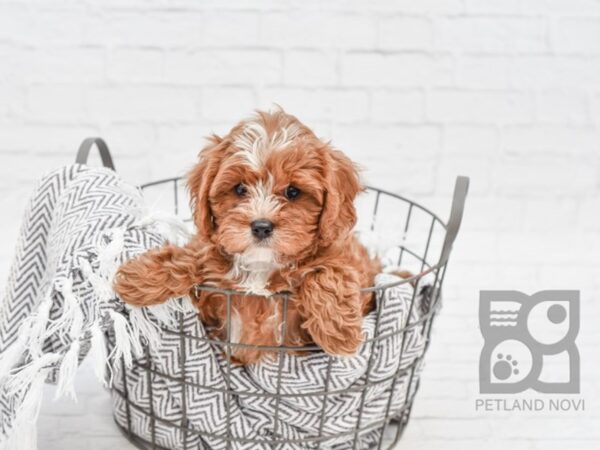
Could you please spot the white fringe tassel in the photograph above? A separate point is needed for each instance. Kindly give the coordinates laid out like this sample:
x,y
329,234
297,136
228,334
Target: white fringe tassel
x,y
143,326
39,325
101,286
22,377
13,354
23,432
72,318
98,352
67,372
123,339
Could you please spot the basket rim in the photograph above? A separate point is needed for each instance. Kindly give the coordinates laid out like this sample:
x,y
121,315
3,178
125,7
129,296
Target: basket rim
x,y
283,294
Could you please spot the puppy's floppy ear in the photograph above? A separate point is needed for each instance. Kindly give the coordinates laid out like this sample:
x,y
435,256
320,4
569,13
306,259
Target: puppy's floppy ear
x,y
342,184
200,179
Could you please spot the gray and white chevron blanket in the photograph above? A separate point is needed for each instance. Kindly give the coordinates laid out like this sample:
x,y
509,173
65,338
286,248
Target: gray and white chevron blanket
x,y
59,307
252,414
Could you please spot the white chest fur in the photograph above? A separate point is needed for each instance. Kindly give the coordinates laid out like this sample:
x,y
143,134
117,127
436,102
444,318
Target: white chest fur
x,y
252,270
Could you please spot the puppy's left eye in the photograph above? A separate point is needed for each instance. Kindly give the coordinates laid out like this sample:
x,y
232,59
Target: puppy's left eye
x,y
291,192
240,190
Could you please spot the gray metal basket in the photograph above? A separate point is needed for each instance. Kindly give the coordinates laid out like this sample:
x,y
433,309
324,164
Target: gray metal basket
x,y
424,246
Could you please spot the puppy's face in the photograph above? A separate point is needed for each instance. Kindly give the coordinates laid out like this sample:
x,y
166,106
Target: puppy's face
x,y
270,193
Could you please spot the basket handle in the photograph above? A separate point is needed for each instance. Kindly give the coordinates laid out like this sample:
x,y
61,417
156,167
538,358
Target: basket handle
x,y
84,152
461,187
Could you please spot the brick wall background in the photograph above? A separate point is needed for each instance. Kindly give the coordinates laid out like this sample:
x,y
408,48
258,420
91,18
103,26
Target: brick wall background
x,y
417,91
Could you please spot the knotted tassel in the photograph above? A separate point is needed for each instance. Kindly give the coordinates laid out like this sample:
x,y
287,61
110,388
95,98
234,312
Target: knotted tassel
x,y
142,326
98,352
122,338
164,312
23,433
72,316
67,372
22,377
76,329
101,287
39,325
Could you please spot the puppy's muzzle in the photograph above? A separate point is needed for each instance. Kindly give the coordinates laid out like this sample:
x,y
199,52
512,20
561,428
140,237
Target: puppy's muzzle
x,y
262,228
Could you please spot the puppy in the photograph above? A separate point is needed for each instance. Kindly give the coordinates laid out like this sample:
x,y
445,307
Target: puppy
x,y
273,209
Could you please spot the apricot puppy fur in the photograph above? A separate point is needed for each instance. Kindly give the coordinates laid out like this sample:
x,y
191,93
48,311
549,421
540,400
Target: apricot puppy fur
x,y
273,209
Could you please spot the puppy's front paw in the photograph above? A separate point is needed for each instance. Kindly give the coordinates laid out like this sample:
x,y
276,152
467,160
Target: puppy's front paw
x,y
129,285
139,285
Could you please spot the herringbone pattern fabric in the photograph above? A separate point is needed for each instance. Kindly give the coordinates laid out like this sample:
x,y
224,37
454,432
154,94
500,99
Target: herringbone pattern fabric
x,y
251,410
50,303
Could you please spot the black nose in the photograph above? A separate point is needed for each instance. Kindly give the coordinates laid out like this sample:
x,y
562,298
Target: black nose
x,y
262,228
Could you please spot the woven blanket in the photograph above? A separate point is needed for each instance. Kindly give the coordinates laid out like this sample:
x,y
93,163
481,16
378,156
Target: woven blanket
x,y
59,307
59,303
253,413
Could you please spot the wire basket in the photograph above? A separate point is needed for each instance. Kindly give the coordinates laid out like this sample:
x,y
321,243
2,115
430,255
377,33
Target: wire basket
x,y
417,240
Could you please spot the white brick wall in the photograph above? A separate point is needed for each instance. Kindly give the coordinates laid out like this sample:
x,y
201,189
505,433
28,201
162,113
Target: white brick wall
x,y
505,91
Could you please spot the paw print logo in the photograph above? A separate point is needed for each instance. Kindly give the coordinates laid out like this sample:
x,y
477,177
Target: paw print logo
x,y
505,367
523,332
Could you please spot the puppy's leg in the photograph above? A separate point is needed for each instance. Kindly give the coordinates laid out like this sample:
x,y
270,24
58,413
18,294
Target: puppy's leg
x,y
162,273
330,302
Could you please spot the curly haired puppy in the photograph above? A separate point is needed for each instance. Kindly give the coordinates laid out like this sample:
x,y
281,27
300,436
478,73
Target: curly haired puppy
x,y
273,208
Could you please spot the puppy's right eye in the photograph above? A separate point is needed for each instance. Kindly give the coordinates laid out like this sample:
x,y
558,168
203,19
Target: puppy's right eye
x,y
240,190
